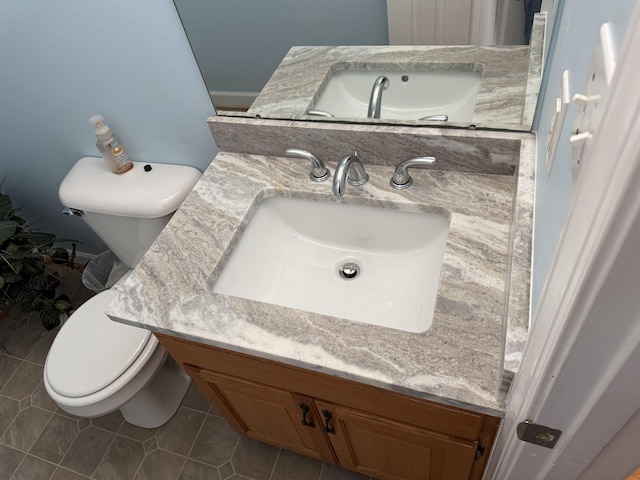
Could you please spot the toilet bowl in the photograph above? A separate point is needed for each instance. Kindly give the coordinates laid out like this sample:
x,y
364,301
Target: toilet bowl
x,y
96,365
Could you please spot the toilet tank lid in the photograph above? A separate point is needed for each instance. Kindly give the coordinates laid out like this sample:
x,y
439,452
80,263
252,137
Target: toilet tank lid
x,y
148,190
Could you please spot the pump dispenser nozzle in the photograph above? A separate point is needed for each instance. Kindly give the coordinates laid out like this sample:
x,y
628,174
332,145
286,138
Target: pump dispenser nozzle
x,y
102,131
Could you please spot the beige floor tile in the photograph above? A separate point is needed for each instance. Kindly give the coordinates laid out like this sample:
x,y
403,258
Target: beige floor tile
x,y
23,382
254,459
195,399
8,366
198,471
179,433
160,465
40,398
10,458
62,473
292,466
215,442
111,421
86,451
26,428
38,353
122,460
9,409
23,340
137,433
334,472
55,439
33,468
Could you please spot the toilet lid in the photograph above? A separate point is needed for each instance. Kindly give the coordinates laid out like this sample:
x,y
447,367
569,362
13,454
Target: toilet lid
x,y
76,363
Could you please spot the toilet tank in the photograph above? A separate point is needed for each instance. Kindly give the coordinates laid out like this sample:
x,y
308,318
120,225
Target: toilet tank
x,y
127,211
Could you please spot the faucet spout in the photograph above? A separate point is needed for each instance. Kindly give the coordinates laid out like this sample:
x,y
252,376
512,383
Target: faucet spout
x,y
350,169
375,101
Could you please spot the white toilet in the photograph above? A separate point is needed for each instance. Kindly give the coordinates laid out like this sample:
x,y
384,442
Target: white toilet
x,y
95,365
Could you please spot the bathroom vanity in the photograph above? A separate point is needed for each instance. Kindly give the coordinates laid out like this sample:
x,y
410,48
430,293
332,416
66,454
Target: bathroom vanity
x,y
383,401
367,429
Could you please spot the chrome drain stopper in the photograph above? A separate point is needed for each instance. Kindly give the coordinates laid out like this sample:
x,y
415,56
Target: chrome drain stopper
x,y
349,270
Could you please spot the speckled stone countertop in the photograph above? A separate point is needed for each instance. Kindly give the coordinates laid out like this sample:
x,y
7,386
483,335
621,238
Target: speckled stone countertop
x,y
304,71
456,362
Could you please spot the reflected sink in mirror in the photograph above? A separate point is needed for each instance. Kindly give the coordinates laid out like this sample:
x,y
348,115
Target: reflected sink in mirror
x,y
411,94
366,264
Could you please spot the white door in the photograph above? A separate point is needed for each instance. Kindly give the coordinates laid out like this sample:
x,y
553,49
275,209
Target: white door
x,y
581,368
441,22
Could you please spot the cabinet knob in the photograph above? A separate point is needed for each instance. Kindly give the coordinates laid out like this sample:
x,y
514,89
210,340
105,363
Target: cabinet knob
x,y
305,411
327,418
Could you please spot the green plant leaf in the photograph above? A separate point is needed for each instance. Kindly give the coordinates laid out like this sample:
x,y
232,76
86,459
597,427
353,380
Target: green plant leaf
x,y
1,281
16,265
58,253
5,207
7,229
50,317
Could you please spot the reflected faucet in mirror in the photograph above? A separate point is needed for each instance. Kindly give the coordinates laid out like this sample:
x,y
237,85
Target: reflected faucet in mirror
x,y
375,101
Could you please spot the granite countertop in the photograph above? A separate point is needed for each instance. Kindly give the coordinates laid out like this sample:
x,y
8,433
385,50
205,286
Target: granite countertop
x,y
501,100
456,362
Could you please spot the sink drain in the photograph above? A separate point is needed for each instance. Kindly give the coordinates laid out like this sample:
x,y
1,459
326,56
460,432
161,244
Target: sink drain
x,y
349,270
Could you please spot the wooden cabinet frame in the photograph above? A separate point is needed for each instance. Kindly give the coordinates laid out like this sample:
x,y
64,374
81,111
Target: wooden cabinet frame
x,y
363,428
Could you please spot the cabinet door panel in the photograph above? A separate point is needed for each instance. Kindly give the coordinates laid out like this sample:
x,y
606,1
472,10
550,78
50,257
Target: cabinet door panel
x,y
268,414
391,450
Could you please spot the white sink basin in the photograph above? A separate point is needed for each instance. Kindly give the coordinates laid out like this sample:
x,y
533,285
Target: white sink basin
x,y
411,95
291,252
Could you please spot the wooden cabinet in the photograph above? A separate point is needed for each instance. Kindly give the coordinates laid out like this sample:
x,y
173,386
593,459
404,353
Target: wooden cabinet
x,y
265,413
370,430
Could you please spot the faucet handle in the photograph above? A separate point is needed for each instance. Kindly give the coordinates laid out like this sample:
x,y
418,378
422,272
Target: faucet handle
x,y
401,178
319,172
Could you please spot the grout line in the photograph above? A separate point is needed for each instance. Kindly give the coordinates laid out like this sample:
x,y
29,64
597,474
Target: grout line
x,y
19,465
233,452
39,433
184,462
204,419
105,452
12,375
135,474
273,469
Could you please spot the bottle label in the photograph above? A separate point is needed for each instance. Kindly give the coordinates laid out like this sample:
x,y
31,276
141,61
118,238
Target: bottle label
x,y
121,162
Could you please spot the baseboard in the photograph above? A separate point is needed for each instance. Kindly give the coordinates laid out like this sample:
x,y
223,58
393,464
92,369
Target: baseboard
x,y
232,100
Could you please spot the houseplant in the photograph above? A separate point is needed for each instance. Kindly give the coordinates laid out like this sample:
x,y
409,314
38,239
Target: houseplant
x,y
25,278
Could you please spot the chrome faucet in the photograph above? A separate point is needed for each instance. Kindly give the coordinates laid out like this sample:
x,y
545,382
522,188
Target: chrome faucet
x,y
401,178
319,172
351,169
375,101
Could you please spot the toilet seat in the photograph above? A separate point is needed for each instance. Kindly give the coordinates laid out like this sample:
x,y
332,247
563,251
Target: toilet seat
x,y
76,365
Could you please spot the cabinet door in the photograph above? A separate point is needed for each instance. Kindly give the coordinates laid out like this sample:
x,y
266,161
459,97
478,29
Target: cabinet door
x,y
267,414
389,450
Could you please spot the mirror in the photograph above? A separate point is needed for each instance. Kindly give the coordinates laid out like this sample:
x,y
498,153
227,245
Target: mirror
x,y
240,44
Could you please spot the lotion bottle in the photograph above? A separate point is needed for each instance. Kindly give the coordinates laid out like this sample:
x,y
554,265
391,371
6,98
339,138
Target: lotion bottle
x,y
110,147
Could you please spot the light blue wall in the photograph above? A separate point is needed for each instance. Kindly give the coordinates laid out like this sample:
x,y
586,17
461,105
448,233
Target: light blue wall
x,y
240,43
62,61
577,32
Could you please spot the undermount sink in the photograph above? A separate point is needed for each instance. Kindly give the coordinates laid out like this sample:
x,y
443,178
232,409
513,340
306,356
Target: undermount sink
x,y
301,253
411,94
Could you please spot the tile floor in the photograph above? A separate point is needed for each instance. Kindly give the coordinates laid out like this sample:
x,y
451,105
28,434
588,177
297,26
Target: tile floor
x,y
38,441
